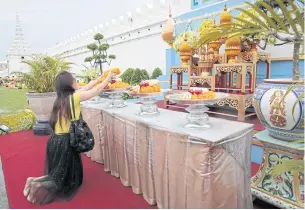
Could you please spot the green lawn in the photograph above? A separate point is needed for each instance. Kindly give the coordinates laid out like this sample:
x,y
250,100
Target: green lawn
x,y
12,100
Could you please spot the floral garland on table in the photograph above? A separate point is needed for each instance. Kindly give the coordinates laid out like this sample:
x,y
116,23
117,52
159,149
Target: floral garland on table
x,y
191,37
254,38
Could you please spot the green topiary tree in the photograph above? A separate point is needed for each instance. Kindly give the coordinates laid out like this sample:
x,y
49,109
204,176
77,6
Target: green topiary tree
x,y
137,77
145,74
127,75
99,53
156,73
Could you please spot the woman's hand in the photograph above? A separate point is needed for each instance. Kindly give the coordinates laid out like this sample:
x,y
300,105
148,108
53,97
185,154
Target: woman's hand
x,y
85,95
110,76
99,78
91,84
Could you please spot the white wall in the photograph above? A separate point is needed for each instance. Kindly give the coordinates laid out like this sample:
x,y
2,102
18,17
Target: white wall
x,y
15,64
146,53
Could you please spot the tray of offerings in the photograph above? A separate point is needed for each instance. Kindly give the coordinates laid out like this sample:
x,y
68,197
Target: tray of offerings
x,y
197,99
115,89
147,91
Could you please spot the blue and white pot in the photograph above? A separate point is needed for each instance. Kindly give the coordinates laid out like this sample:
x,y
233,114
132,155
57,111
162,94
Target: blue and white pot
x,y
283,118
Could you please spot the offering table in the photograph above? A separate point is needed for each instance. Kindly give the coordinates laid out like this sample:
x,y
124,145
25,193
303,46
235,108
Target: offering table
x,y
170,165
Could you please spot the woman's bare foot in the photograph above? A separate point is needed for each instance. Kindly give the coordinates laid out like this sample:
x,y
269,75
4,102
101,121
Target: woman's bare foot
x,y
34,187
26,187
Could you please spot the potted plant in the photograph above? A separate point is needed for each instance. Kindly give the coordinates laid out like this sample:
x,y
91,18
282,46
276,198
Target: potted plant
x,y
279,103
90,74
40,82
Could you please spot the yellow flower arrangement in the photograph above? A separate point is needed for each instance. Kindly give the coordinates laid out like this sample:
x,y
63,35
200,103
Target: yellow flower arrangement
x,y
257,36
19,121
206,25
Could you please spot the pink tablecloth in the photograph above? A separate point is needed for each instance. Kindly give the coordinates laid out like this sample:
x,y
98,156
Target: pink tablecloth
x,y
170,169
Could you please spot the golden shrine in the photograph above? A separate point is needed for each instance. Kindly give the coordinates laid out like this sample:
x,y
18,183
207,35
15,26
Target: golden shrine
x,y
233,72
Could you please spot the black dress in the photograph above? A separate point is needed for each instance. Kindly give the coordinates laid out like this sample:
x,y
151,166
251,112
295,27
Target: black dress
x,y
63,173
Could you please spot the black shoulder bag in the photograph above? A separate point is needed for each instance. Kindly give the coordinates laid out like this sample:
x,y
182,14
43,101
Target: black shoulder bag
x,y
81,137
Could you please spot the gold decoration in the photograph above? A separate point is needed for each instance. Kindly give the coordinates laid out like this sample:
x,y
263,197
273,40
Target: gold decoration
x,y
232,48
168,31
225,17
237,69
201,81
277,109
206,60
185,52
179,70
215,45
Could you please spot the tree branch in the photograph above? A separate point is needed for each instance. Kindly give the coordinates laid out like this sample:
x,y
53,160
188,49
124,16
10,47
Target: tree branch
x,y
284,39
266,42
279,44
109,63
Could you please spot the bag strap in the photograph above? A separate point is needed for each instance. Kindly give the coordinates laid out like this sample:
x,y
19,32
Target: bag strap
x,y
72,108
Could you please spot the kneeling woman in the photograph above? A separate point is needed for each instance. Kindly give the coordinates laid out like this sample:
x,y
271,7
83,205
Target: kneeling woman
x,y
63,166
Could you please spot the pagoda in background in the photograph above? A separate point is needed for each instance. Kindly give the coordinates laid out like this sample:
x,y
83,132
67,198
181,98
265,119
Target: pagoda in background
x,y
18,51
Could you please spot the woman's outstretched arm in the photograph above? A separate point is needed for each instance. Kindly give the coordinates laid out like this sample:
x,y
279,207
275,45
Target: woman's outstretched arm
x,y
90,85
87,94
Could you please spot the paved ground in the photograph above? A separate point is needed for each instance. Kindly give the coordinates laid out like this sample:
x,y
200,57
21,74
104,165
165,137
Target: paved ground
x,y
3,195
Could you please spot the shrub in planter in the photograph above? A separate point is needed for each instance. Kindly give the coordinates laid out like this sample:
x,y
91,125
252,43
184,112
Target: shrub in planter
x,y
41,83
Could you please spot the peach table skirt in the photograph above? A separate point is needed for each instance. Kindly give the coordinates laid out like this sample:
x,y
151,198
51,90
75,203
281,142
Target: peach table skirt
x,y
170,169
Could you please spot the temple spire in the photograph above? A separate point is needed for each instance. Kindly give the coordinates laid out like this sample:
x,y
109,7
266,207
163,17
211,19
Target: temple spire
x,y
169,11
19,47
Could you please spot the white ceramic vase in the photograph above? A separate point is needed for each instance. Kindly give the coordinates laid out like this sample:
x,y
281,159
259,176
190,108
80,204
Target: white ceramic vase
x,y
282,117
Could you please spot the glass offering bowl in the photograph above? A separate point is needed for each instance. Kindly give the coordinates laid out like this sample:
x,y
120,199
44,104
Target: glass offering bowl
x,y
197,117
115,96
148,100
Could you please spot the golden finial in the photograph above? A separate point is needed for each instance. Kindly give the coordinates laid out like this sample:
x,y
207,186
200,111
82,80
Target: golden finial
x,y
225,17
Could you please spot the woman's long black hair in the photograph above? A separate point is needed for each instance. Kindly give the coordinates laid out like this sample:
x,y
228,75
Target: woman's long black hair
x,y
61,107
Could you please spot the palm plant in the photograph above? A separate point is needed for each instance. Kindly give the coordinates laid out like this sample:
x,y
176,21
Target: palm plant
x,y
44,69
279,19
90,74
284,23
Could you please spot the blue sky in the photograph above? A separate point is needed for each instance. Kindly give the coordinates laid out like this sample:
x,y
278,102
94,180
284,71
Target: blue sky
x,y
46,22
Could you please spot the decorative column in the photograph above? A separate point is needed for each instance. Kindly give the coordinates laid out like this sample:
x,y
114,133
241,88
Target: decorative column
x,y
280,178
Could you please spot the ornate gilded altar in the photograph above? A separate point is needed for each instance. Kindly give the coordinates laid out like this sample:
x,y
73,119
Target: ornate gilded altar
x,y
241,70
233,72
256,57
239,102
280,185
178,70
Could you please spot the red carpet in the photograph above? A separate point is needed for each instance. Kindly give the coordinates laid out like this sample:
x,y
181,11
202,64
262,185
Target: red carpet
x,y
23,155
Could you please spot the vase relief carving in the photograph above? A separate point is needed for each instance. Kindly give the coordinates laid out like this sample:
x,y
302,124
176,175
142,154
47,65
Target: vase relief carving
x,y
277,109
